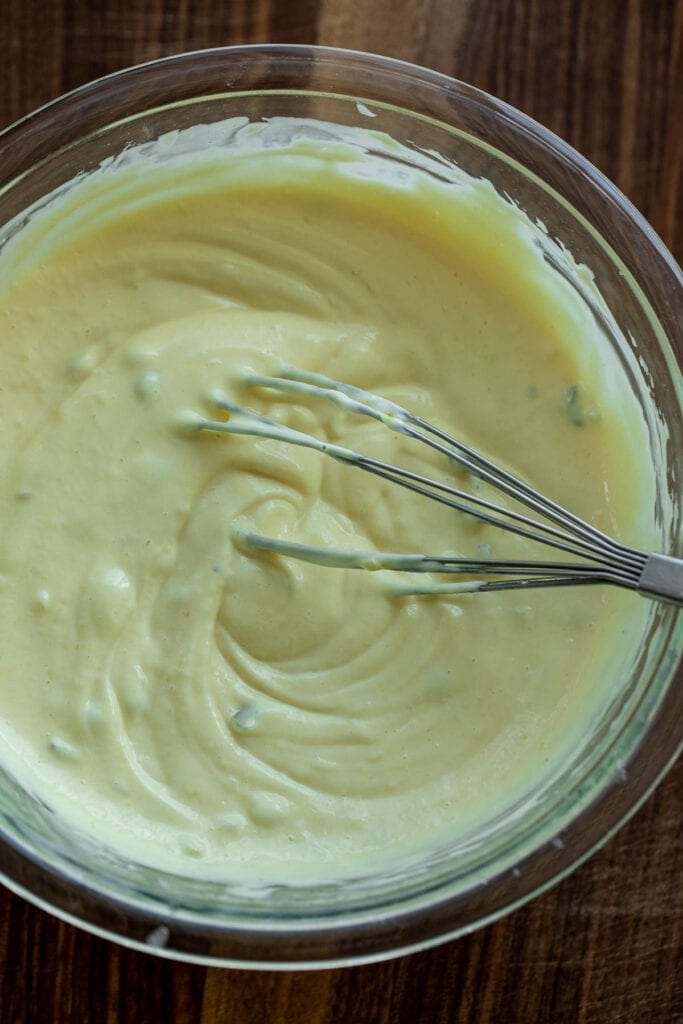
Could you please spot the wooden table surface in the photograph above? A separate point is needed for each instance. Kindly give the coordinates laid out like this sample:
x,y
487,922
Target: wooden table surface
x,y
606,945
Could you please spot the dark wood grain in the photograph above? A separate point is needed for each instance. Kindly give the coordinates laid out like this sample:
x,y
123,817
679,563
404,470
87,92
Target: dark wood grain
x,y
606,945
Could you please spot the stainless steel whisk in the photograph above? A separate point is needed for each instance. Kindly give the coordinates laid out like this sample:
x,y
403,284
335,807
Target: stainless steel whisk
x,y
603,560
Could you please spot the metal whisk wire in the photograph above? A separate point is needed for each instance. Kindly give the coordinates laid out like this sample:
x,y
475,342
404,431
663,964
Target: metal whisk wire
x,y
654,575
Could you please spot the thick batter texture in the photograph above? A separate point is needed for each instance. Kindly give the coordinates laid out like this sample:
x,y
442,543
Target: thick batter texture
x,y
215,710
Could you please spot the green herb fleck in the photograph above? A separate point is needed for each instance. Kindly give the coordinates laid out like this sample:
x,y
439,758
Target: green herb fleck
x,y
578,410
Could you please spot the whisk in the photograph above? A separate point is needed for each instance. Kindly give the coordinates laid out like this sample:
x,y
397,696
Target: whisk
x,y
601,559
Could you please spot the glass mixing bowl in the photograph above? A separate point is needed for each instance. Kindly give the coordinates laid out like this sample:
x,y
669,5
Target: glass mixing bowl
x,y
453,889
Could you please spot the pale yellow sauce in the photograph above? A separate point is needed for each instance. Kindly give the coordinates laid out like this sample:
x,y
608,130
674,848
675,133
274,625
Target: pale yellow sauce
x,y
239,714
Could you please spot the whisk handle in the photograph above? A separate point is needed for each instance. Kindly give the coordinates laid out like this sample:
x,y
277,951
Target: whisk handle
x,y
662,577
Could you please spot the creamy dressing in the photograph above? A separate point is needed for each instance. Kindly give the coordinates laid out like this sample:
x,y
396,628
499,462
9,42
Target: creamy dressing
x,y
201,704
